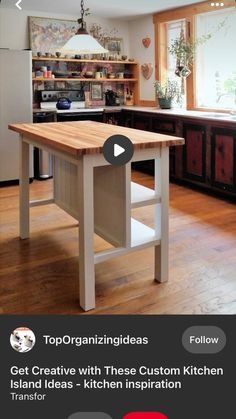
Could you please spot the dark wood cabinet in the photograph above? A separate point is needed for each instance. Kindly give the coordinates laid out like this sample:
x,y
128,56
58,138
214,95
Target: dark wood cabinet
x,y
223,159
141,121
169,126
113,118
208,158
163,125
194,152
127,119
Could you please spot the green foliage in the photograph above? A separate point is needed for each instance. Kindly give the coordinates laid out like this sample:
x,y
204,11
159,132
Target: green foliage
x,y
230,84
168,90
185,50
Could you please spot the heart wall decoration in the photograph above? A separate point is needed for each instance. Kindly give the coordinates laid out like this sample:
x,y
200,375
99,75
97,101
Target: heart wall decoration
x,y
146,42
147,70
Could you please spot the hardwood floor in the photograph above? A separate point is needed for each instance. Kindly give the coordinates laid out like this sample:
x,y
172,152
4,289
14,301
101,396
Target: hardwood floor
x,y
38,276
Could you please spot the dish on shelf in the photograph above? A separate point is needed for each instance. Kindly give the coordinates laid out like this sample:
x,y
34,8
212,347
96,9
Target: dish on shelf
x,y
59,75
76,74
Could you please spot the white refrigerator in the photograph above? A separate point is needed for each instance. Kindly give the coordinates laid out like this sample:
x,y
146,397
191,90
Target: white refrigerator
x,y
15,107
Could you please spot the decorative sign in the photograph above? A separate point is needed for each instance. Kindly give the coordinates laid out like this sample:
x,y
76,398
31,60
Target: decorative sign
x,y
147,70
146,42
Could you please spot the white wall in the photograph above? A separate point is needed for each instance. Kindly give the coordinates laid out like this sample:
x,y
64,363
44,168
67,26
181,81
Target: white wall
x,y
139,29
14,27
14,35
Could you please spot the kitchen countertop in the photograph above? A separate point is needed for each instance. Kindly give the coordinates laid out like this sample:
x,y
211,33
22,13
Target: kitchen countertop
x,y
217,116
88,137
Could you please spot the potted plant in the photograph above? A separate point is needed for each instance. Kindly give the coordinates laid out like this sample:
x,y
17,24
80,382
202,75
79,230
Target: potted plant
x,y
166,92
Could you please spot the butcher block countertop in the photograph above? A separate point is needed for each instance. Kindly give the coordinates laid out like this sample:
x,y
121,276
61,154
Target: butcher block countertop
x,y
88,137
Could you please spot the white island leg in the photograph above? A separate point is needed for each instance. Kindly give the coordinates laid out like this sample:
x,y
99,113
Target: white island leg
x,y
24,189
86,234
162,216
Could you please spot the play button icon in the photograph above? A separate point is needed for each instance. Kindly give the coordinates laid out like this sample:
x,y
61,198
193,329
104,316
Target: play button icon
x,y
118,150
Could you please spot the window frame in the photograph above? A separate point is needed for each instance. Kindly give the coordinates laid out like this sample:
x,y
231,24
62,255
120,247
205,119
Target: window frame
x,y
160,21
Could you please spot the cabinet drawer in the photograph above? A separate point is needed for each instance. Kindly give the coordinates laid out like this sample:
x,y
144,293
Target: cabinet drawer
x,y
164,126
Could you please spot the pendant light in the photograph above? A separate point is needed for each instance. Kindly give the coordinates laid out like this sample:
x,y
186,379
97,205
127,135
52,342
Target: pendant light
x,y
83,43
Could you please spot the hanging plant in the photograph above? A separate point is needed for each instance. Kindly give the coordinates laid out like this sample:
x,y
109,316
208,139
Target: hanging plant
x,y
185,50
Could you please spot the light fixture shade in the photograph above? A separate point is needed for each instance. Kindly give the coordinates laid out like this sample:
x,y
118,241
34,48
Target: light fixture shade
x,y
83,44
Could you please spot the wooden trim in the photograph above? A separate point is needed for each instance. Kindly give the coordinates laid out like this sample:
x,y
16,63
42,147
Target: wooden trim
x,y
75,60
137,85
191,80
161,51
188,11
151,103
219,110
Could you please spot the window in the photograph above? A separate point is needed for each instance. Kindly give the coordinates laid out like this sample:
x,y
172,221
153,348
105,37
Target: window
x,y
216,61
173,31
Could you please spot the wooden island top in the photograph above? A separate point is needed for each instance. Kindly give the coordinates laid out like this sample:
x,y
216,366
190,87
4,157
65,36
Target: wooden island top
x,y
88,137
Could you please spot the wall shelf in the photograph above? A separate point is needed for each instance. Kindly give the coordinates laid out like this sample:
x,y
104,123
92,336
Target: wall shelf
x,y
84,79
74,60
131,67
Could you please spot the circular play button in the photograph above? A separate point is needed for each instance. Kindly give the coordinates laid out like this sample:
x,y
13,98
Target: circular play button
x,y
118,150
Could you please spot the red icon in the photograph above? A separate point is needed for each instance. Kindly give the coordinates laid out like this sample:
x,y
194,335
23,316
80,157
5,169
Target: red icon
x,y
145,415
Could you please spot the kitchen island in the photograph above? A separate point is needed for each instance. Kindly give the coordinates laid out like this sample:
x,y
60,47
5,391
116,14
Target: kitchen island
x,y
98,195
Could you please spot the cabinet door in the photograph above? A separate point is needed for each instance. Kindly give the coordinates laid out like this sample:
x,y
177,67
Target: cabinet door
x,y
112,118
141,121
194,152
166,126
127,119
223,159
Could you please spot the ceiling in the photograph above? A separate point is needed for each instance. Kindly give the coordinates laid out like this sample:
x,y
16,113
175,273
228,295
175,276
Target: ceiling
x,y
106,8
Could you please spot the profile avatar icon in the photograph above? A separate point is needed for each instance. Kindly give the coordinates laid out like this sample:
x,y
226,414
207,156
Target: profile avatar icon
x,y
22,339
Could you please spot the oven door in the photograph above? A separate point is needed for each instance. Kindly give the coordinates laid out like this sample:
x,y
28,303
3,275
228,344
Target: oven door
x,y
82,116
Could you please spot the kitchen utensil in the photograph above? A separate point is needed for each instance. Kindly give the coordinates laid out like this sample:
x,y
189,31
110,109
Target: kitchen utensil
x,y
63,103
129,97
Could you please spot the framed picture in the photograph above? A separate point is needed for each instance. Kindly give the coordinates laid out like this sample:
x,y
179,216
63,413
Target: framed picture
x,y
96,91
49,35
114,45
